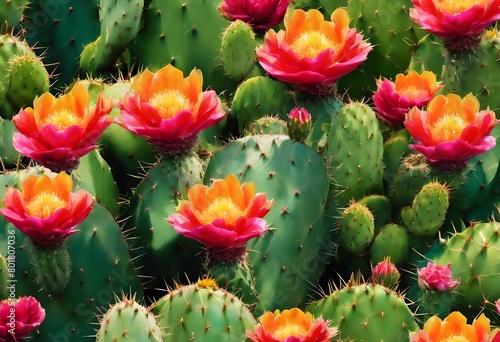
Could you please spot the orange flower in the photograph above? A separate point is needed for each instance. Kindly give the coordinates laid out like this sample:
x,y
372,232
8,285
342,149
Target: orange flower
x,y
292,325
225,215
394,99
453,328
168,109
452,130
45,209
56,132
313,53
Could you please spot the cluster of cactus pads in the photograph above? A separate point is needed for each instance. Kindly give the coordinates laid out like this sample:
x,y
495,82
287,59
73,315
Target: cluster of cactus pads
x,y
332,188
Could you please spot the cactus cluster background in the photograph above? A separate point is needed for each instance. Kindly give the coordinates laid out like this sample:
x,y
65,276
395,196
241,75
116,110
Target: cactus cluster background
x,y
247,170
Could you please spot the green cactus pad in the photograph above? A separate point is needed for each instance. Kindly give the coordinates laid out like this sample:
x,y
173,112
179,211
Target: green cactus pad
x,y
392,241
238,50
357,226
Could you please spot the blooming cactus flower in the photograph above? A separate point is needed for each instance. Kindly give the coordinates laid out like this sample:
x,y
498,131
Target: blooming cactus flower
x,y
224,216
260,14
394,99
453,328
435,277
292,325
452,129
19,317
45,209
56,132
168,109
455,20
313,53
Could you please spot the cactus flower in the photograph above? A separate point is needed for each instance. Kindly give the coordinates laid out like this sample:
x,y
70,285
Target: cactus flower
x,y
459,23
434,277
260,14
292,325
311,52
168,109
394,99
299,124
56,132
385,273
46,209
19,317
224,215
453,328
452,130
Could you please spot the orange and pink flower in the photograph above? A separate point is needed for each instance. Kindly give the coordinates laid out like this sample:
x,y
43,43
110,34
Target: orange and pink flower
x,y
452,130
260,14
292,325
455,20
224,215
394,99
168,109
313,53
453,328
19,317
56,132
46,209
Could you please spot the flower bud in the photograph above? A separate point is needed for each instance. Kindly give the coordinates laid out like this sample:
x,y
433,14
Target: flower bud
x,y
299,124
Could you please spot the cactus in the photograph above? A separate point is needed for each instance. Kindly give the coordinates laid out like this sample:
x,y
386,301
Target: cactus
x,y
363,311
202,312
238,50
381,208
357,227
127,320
8,154
395,148
4,277
267,125
354,153
11,13
294,176
392,241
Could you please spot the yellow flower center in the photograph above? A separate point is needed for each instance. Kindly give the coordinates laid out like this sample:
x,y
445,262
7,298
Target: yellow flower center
x,y
44,204
207,283
310,44
170,102
457,6
289,329
448,128
456,338
63,119
223,208
412,93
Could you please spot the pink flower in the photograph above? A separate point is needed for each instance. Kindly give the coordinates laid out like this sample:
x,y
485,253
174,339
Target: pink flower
x,y
223,216
385,273
497,305
299,124
452,129
313,53
168,109
56,132
394,99
45,209
260,14
19,317
435,277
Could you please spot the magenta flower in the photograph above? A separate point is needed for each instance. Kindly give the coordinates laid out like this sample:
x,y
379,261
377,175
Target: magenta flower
x,y
385,273
260,14
19,317
393,100
435,277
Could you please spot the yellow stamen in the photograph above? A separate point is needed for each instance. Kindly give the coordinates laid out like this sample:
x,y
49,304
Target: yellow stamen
x,y
412,93
63,119
448,128
456,338
457,6
310,44
170,102
289,329
44,204
207,283
223,208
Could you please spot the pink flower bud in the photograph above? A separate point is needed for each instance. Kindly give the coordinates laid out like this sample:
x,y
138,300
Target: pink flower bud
x,y
435,277
299,124
19,317
385,273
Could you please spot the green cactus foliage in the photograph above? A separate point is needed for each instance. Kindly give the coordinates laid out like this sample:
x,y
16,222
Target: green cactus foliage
x,y
354,153
427,213
428,55
392,241
128,320
8,154
474,258
155,241
200,313
4,277
11,13
357,227
119,25
381,208
395,148
238,50
260,96
286,266
267,125
366,312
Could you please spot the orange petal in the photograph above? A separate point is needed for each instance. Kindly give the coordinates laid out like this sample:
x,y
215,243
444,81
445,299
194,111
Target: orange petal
x,y
141,84
43,108
82,98
432,327
454,324
195,85
341,19
482,327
